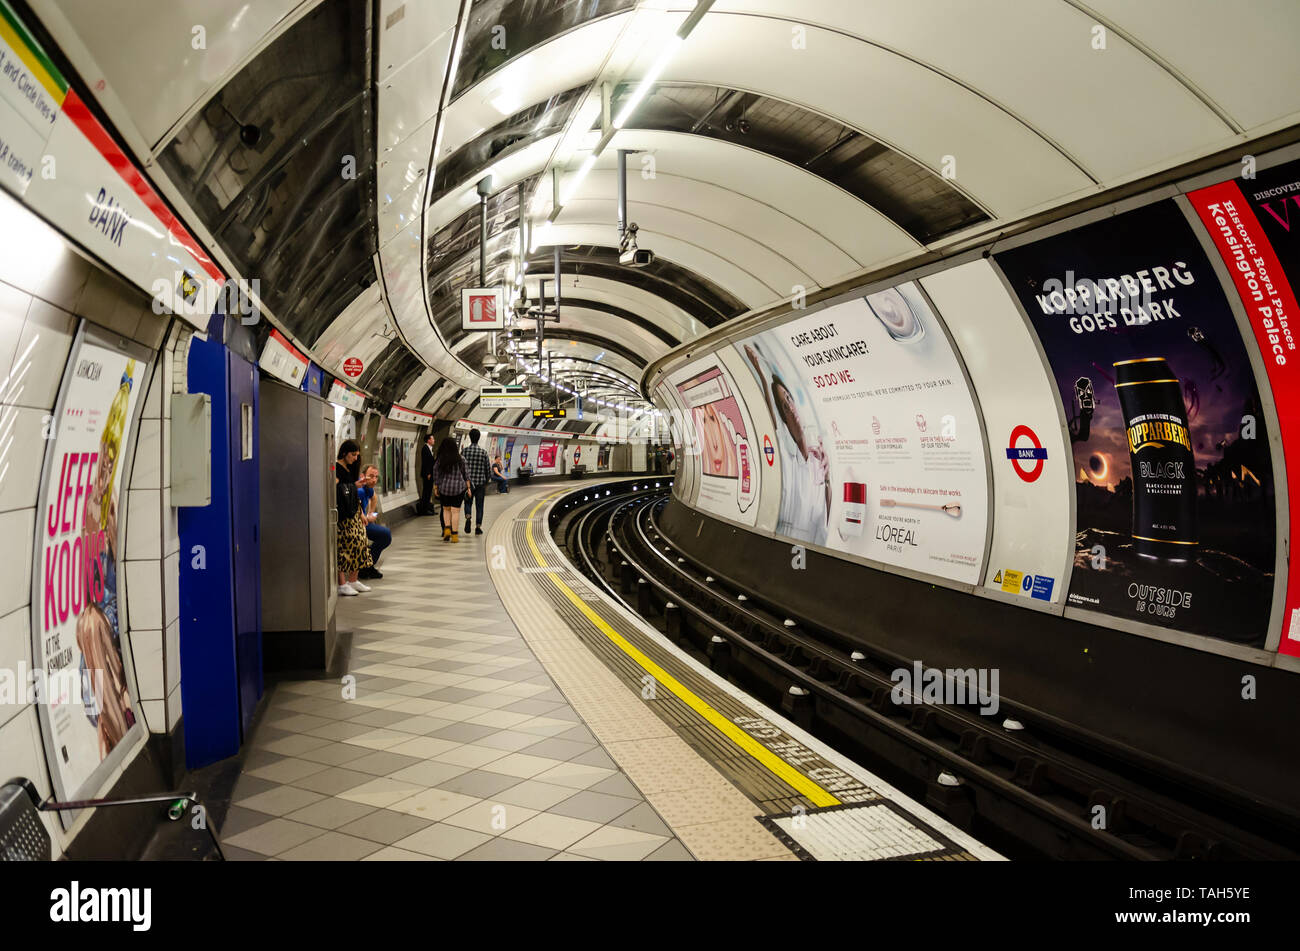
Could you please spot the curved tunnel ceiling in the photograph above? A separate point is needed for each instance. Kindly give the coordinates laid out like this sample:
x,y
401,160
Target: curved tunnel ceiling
x,y
787,144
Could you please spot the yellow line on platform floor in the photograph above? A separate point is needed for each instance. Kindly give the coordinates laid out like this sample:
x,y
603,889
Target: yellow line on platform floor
x,y
787,773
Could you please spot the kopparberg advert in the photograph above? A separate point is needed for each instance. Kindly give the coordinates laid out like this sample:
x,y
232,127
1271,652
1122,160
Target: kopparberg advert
x,y
1173,473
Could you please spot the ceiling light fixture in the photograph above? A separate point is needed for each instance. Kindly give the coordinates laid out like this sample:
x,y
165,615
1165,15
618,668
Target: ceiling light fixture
x,y
650,78
571,187
643,88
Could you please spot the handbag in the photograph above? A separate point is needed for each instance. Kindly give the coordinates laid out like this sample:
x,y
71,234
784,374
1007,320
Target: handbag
x,y
346,501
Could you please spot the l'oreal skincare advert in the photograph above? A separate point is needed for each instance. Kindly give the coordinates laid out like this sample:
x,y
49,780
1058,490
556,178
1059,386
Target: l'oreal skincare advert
x,y
881,453
720,434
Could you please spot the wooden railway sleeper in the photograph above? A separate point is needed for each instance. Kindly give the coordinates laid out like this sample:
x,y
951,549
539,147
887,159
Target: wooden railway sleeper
x,y
1030,773
974,746
924,721
644,605
719,653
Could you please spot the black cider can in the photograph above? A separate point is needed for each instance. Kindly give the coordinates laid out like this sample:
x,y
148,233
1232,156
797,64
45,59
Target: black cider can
x,y
1164,466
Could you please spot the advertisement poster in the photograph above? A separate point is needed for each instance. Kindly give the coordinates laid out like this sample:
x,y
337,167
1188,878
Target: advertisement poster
x,y
1255,225
1175,521
1032,542
546,454
76,619
722,439
509,451
881,454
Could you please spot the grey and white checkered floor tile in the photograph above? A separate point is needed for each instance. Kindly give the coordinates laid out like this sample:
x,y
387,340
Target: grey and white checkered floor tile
x,y
456,745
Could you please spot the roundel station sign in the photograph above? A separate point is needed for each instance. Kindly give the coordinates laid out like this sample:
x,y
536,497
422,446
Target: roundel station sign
x,y
1027,460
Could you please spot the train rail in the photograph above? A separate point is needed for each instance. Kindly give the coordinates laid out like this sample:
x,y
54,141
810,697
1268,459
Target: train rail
x,y
1030,785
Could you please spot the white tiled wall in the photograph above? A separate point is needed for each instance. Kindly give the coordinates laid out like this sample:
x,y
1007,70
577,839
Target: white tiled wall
x,y
44,285
152,553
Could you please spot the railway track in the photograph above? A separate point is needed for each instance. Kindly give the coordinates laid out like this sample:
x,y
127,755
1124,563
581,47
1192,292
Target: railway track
x,y
1030,785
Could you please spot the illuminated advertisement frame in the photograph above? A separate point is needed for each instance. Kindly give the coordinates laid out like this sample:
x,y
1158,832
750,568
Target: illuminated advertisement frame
x,y
1177,214
90,335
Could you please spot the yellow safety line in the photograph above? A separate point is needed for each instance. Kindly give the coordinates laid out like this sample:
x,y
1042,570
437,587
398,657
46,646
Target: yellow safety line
x,y
787,773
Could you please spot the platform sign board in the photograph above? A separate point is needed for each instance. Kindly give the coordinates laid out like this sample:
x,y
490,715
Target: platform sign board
x,y
343,395
482,308
1175,524
505,397
89,716
404,415
57,158
283,360
31,94
879,440
1255,225
1029,457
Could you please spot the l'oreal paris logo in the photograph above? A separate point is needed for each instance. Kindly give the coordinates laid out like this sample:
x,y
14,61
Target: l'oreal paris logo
x,y
951,686
892,535
76,904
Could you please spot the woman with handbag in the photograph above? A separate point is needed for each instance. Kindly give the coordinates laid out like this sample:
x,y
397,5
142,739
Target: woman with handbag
x,y
354,551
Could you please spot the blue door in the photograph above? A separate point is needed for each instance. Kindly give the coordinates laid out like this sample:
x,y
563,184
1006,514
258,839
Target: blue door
x,y
220,577
245,510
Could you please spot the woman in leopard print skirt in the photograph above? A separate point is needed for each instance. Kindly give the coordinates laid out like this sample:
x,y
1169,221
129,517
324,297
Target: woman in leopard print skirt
x,y
354,548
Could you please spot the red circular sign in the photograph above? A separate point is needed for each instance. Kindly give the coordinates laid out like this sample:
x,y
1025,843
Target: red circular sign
x,y
353,367
1016,453
768,450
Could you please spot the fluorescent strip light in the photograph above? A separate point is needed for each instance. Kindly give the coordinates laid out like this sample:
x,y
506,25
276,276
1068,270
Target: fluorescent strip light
x,y
538,234
650,78
571,188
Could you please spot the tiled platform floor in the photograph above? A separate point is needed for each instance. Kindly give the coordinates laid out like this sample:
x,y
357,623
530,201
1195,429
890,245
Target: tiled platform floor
x,y
457,744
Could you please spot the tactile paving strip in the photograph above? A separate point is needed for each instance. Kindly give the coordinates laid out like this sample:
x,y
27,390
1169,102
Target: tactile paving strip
x,y
866,832
701,780
766,790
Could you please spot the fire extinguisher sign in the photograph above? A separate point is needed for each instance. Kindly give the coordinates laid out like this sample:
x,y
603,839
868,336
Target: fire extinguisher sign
x,y
482,308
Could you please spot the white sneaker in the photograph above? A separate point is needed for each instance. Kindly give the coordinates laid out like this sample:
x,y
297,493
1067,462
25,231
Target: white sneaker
x,y
348,591
359,586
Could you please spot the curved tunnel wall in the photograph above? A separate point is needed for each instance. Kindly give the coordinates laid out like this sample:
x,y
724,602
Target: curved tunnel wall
x,y
72,338
1115,379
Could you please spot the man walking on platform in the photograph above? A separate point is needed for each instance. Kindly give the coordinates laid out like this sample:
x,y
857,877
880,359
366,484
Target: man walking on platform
x,y
426,477
476,461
